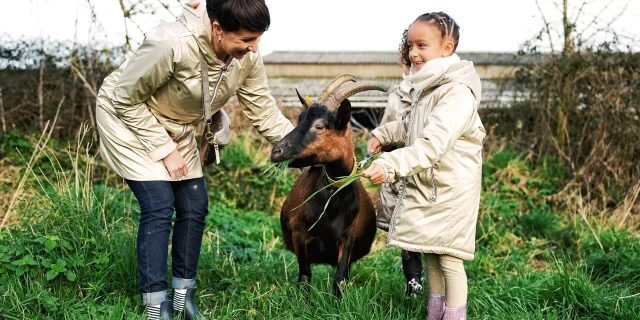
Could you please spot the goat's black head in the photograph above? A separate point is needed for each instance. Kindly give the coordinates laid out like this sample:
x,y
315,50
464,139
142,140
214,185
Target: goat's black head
x,y
323,133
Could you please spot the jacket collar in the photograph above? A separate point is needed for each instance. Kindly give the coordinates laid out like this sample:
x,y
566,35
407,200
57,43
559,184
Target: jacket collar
x,y
196,26
431,73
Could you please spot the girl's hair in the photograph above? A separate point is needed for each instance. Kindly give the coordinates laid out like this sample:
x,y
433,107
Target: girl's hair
x,y
233,15
447,26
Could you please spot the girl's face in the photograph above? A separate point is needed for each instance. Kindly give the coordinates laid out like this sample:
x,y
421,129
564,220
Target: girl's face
x,y
426,43
236,44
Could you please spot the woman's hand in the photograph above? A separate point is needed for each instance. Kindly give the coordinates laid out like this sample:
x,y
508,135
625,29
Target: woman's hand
x,y
175,165
376,173
374,146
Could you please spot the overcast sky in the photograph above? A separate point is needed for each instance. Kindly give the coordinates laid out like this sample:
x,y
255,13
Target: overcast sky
x,y
331,25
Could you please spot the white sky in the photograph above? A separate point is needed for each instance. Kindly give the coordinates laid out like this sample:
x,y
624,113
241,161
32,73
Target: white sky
x,y
330,25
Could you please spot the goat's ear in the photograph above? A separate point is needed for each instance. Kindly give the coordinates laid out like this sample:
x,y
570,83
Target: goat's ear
x,y
343,114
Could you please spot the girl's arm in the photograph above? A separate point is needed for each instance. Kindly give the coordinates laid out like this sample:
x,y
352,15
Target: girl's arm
x,y
392,130
260,107
446,124
149,68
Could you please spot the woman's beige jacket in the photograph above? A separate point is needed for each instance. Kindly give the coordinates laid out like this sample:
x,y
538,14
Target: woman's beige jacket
x,y
442,163
152,104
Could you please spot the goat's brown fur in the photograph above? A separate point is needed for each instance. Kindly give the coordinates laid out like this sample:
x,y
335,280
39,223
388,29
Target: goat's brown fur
x,y
345,232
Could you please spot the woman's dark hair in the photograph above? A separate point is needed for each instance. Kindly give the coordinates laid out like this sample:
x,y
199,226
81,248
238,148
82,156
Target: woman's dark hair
x,y
233,15
447,26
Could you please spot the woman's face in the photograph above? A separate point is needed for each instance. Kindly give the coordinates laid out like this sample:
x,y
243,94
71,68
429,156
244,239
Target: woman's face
x,y
425,44
238,43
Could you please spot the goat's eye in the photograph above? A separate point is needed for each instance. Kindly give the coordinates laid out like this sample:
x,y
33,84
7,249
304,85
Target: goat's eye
x,y
319,127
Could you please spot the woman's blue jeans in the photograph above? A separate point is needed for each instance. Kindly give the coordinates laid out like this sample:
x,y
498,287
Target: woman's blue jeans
x,y
157,200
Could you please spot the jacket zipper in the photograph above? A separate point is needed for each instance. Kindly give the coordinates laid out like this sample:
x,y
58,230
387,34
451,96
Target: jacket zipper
x,y
216,146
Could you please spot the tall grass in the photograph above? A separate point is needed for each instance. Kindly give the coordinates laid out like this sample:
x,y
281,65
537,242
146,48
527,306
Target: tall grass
x,y
69,253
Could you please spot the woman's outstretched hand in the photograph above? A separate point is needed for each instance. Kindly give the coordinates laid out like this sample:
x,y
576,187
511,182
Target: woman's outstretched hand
x,y
175,165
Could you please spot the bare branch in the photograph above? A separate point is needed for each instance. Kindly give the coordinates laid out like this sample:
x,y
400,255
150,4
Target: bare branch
x,y
41,94
125,15
82,78
609,23
4,121
546,26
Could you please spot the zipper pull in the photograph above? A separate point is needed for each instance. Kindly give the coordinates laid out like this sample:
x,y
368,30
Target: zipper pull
x,y
217,150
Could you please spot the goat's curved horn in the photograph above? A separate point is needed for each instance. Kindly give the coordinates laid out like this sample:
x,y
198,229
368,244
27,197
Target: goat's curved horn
x,y
306,103
334,100
335,83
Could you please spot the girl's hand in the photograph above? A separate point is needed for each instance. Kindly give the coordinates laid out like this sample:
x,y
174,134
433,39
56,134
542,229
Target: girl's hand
x,y
376,173
175,165
374,146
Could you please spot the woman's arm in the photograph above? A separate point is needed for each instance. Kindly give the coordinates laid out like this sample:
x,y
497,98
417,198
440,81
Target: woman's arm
x,y
260,107
149,68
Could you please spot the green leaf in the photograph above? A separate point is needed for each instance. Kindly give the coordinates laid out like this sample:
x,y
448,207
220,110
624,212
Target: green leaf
x,y
70,275
49,245
66,244
21,271
51,274
61,263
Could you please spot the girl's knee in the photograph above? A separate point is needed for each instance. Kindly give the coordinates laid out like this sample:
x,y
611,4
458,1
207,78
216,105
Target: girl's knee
x,y
452,267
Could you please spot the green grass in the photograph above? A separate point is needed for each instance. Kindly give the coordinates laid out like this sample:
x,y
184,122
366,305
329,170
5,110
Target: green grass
x,y
71,253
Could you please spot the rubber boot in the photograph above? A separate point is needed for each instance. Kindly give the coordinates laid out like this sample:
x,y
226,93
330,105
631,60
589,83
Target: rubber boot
x,y
164,313
191,312
436,307
459,313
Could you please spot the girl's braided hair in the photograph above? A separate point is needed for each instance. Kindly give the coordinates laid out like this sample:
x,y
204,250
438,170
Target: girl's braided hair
x,y
447,26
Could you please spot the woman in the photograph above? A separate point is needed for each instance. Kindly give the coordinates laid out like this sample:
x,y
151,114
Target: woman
x,y
147,113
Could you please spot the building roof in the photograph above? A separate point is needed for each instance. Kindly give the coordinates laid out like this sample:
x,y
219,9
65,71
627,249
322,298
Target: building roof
x,y
284,90
389,57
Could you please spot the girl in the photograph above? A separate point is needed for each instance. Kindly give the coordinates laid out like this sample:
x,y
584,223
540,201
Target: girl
x,y
440,166
397,108
147,112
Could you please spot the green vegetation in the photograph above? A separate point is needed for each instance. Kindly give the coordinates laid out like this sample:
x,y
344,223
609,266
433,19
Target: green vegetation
x,y
69,250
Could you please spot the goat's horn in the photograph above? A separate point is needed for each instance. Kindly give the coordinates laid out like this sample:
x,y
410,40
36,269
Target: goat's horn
x,y
306,102
336,98
335,83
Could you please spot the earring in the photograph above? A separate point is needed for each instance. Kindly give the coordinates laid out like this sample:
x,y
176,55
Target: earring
x,y
219,40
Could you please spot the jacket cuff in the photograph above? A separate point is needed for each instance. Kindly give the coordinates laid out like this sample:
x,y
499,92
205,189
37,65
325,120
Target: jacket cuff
x,y
162,152
390,175
378,134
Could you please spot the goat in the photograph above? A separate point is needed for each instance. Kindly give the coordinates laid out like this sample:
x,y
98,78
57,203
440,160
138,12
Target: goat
x,y
323,141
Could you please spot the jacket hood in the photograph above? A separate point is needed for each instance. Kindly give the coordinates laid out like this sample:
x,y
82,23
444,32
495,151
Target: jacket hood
x,y
465,73
441,71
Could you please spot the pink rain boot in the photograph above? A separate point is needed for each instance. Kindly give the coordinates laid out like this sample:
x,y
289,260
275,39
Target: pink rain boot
x,y
436,307
459,313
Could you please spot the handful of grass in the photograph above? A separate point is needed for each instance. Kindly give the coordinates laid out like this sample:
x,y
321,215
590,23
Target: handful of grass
x,y
276,170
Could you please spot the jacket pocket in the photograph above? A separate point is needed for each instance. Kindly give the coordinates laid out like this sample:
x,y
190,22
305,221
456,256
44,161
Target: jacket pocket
x,y
429,183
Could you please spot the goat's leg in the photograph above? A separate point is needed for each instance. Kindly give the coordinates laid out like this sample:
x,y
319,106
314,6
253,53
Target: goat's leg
x,y
300,242
345,246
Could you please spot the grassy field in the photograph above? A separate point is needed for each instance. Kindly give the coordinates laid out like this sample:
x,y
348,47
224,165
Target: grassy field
x,y
69,249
